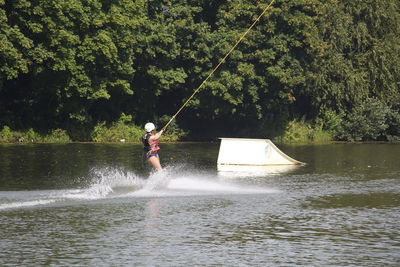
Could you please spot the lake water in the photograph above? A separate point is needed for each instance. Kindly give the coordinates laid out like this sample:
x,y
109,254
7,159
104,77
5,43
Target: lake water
x,y
98,205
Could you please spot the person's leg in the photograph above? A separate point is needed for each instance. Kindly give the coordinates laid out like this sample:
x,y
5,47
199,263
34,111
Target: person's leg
x,y
155,162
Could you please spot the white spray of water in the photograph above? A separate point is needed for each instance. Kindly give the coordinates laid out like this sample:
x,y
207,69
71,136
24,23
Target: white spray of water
x,y
116,183
104,182
180,181
14,205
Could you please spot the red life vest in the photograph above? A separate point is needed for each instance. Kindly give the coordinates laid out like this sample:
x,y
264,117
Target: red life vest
x,y
150,147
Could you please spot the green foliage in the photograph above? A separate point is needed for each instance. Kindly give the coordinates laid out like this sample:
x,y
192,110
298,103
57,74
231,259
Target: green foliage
x,y
6,136
77,65
173,132
124,131
367,121
74,53
30,136
121,131
331,121
355,53
393,133
299,131
57,136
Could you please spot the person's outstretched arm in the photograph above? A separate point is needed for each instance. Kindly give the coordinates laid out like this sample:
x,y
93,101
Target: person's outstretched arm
x,y
156,136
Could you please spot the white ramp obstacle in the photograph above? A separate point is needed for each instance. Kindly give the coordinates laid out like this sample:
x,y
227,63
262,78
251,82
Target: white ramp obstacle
x,y
251,152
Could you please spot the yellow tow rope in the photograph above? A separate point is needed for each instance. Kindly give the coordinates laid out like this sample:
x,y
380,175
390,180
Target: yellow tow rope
x,y
219,64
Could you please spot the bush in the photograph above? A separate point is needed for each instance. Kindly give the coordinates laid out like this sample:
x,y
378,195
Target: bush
x,y
6,136
124,130
367,121
121,131
299,131
331,121
393,132
56,136
296,131
31,136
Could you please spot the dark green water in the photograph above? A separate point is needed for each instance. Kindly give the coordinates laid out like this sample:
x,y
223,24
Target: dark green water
x,y
98,205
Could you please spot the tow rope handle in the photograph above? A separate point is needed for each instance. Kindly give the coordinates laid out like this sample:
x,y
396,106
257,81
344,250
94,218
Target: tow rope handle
x,y
218,65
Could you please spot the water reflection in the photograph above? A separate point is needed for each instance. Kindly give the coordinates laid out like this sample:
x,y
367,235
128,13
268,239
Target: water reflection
x,y
243,171
152,239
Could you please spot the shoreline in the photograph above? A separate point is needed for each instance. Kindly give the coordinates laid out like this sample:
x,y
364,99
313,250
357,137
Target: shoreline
x,y
205,141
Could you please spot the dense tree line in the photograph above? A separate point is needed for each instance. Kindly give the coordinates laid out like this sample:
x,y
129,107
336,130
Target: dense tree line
x,y
72,64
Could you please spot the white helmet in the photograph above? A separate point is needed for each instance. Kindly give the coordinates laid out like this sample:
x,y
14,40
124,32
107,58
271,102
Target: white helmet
x,y
149,127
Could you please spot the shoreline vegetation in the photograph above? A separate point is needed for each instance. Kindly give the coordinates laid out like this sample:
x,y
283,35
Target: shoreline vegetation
x,y
355,128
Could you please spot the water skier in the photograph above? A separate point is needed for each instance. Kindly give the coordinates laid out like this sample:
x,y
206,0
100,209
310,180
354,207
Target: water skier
x,y
150,142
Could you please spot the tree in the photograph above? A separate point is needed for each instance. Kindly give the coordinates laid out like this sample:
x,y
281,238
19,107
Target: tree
x,y
71,55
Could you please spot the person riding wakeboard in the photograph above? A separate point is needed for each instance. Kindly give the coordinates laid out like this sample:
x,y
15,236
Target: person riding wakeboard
x,y
150,142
